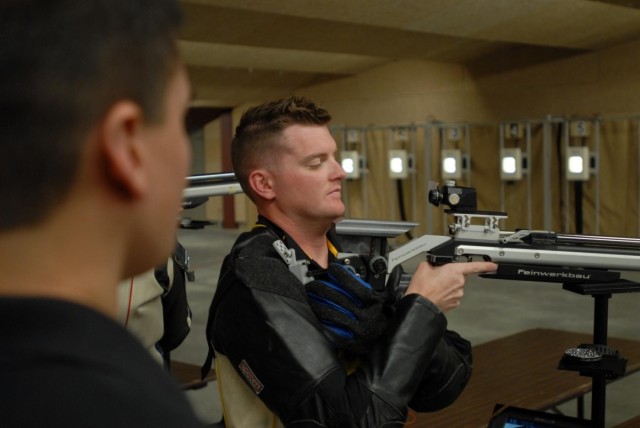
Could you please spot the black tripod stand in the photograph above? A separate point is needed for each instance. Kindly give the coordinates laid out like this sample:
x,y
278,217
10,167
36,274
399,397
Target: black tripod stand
x,y
611,364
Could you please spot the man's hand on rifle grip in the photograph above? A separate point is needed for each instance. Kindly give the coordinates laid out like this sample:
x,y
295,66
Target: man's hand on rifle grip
x,y
444,285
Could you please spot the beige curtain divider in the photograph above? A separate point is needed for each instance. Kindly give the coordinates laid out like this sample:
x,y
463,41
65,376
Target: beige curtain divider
x,y
543,199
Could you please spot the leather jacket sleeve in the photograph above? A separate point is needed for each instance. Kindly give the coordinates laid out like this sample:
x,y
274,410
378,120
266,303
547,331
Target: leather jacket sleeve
x,y
446,375
265,327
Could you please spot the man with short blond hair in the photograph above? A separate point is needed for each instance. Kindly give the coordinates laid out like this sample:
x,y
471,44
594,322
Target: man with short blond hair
x,y
323,349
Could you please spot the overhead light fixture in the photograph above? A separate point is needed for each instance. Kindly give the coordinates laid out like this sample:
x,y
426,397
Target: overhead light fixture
x,y
398,164
578,163
511,164
350,161
451,163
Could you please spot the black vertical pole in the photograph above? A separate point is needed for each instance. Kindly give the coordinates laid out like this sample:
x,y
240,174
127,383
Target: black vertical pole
x,y
577,205
599,380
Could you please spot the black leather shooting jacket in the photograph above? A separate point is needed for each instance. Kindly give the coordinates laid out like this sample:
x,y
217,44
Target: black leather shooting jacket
x,y
261,323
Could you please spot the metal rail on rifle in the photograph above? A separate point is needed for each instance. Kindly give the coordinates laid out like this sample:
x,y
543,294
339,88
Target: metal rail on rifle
x,y
200,187
527,255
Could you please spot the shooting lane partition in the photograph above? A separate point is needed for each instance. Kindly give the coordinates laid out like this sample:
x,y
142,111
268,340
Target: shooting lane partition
x,y
485,166
543,199
518,135
478,145
379,191
607,202
403,197
375,196
580,132
619,161
451,136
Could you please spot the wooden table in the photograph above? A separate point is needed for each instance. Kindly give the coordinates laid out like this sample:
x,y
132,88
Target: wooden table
x,y
521,370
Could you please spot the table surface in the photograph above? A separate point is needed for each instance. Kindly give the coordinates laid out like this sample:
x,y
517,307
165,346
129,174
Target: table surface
x,y
521,370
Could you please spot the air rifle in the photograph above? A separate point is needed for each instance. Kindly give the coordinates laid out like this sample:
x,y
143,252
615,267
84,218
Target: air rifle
x,y
525,255
201,186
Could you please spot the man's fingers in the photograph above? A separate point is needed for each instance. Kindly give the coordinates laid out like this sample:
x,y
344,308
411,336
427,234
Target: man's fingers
x,y
478,267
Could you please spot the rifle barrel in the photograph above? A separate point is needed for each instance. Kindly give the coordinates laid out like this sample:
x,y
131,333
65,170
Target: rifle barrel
x,y
599,241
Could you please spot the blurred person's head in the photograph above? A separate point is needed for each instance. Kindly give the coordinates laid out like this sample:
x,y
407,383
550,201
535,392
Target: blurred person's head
x,y
63,65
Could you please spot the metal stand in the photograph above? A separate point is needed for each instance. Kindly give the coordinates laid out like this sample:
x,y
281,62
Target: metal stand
x,y
612,364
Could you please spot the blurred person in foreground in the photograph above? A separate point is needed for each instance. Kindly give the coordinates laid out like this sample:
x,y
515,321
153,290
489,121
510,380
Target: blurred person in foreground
x,y
326,350
153,306
94,157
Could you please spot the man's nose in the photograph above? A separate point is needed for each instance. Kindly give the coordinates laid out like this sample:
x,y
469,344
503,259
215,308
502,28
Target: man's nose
x,y
340,172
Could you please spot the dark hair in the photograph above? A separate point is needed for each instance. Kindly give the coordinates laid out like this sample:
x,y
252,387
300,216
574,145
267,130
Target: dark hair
x,y
63,64
256,134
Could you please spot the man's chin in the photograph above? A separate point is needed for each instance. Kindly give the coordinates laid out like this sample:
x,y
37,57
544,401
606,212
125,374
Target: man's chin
x,y
339,212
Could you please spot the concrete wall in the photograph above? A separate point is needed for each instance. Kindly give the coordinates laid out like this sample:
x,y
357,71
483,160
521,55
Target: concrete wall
x,y
414,92
607,82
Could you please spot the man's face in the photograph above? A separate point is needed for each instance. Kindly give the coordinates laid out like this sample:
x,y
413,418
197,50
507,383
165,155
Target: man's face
x,y
169,154
307,176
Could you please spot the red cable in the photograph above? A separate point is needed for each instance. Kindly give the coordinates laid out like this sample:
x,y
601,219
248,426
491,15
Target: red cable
x,y
126,321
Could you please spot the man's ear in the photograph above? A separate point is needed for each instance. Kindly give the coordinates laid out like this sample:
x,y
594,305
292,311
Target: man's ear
x,y
119,147
261,183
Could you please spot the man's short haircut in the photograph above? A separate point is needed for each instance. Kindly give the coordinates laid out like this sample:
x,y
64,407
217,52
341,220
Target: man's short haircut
x,y
256,135
63,65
